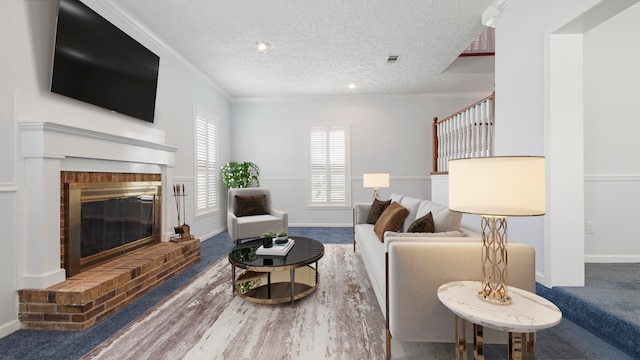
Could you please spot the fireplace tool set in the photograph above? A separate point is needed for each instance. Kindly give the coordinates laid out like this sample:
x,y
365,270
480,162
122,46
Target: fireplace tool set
x,y
183,232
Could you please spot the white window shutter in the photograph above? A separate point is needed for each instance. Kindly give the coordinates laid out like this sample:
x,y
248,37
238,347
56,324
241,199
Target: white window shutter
x,y
206,164
328,165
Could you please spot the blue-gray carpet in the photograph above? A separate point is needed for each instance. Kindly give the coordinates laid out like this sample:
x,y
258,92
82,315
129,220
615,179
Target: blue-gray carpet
x,y
39,344
565,341
608,305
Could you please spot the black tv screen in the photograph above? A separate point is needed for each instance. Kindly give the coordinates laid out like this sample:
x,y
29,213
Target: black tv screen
x,y
98,63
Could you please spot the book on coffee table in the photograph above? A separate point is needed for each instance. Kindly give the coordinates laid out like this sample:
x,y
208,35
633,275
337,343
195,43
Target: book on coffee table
x,y
276,249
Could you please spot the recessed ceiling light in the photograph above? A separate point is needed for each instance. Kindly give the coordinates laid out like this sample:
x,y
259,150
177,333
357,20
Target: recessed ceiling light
x,y
262,45
352,86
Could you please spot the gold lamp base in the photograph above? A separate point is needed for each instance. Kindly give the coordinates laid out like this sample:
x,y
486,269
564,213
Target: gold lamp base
x,y
494,260
492,296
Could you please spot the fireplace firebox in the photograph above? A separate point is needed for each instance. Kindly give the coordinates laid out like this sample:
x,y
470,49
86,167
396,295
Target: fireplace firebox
x,y
106,220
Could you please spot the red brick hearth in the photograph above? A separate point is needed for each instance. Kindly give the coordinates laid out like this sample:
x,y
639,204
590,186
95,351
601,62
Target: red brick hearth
x,y
84,299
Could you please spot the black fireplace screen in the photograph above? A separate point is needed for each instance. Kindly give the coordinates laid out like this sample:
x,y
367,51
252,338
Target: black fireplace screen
x,y
111,223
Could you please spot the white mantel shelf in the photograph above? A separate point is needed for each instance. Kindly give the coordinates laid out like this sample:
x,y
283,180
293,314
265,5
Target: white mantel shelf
x,y
47,139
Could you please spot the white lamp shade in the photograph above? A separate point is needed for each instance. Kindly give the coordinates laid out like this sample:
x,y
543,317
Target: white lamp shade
x,y
500,186
375,180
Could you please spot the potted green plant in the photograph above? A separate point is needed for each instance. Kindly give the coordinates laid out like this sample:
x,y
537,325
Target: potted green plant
x,y
240,175
282,237
267,239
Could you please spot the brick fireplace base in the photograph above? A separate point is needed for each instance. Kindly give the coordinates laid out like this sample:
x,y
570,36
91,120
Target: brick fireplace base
x,y
84,299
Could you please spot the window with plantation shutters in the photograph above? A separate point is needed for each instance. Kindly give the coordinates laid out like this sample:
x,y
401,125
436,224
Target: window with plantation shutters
x,y
206,163
328,166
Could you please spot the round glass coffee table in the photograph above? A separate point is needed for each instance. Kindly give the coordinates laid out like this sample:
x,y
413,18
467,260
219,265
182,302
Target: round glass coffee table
x,y
275,279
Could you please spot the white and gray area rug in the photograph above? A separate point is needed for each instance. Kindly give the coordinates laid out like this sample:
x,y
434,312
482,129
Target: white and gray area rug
x,y
204,320
340,320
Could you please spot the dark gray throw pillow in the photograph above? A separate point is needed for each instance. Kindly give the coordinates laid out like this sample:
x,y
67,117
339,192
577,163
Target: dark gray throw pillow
x,y
422,225
251,205
377,208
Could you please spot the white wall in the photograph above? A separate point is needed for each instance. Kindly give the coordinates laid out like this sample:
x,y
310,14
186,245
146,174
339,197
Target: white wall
x,y
8,187
388,134
611,138
440,194
539,111
26,32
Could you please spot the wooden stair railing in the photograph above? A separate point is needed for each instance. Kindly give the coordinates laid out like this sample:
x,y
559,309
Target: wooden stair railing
x,y
483,45
468,133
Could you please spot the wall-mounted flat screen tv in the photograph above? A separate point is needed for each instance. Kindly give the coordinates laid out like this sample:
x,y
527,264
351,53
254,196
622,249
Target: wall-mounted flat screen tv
x,y
98,63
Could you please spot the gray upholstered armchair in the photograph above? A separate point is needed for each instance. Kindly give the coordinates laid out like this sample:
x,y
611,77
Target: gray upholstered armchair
x,y
250,213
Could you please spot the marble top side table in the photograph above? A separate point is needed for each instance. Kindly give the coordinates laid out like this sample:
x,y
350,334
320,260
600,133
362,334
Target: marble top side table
x,y
527,314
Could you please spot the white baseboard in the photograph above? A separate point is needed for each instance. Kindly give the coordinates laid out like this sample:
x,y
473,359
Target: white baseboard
x,y
211,234
612,258
541,279
9,327
202,237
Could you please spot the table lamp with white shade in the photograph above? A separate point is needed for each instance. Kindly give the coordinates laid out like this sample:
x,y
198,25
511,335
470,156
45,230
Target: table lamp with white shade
x,y
375,181
496,188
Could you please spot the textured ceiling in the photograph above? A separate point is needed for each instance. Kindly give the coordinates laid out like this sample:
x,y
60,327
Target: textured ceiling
x,y
318,47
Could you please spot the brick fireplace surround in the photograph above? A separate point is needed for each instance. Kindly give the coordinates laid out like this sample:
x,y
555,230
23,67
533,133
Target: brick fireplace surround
x,y
75,177
50,300
86,298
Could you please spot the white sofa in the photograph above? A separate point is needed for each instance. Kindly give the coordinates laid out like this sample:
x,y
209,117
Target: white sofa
x,y
407,268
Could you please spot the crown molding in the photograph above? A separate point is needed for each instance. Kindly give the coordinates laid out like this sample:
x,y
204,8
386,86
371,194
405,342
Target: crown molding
x,y
312,98
151,36
492,14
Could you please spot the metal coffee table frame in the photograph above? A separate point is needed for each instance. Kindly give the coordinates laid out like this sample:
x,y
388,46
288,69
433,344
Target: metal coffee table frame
x,y
276,279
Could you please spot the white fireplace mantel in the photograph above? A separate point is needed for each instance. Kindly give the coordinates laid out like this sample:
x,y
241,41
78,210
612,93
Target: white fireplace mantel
x,y
48,148
47,139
